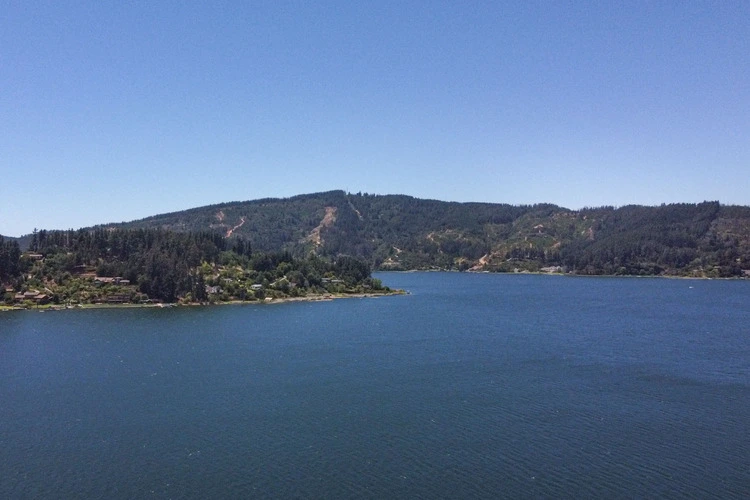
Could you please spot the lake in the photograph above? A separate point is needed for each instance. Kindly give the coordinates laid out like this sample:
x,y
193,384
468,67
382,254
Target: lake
x,y
472,386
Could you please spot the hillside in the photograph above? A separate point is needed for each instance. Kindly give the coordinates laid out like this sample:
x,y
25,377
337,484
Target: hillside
x,y
401,232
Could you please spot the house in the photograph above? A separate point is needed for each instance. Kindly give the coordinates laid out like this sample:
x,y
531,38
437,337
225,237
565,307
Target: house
x,y
106,280
256,287
32,295
213,290
41,298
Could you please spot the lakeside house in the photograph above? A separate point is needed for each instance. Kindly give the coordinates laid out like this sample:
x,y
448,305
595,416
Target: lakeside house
x,y
551,269
105,280
32,295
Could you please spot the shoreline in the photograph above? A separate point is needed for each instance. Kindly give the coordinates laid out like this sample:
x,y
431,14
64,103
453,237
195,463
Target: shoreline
x,y
160,305
570,275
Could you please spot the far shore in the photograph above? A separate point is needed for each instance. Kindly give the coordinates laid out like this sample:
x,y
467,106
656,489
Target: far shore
x,y
569,274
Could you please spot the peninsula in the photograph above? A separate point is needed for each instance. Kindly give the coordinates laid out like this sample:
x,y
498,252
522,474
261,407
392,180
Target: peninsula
x,y
149,266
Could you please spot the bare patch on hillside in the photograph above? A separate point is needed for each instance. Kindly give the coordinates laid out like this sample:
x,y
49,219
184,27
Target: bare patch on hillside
x,y
483,260
230,231
351,205
328,219
392,261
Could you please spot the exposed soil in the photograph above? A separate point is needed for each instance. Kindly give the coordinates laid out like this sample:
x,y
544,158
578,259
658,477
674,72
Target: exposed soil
x,y
230,231
328,219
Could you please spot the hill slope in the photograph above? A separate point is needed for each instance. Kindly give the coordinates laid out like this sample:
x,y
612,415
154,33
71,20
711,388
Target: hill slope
x,y
402,232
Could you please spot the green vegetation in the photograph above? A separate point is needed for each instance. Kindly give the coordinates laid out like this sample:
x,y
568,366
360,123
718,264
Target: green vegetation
x,y
154,265
401,233
10,254
163,257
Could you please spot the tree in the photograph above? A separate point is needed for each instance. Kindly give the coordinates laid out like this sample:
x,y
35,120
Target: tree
x,y
10,255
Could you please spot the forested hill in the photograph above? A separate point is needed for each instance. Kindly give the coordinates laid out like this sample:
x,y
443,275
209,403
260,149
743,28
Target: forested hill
x,y
402,232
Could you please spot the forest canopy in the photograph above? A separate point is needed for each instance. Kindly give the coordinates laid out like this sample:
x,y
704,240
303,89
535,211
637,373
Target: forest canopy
x,y
123,265
397,232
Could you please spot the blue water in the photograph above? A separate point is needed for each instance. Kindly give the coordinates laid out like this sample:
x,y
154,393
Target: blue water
x,y
473,386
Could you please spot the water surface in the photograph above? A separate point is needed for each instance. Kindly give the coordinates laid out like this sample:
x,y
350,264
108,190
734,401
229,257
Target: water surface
x,y
480,386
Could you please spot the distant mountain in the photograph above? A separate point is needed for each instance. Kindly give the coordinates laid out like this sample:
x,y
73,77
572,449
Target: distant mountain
x,y
401,232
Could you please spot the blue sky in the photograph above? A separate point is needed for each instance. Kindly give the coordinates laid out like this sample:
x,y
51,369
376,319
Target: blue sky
x,y
114,111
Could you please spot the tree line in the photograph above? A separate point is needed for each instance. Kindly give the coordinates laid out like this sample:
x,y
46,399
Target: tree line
x,y
167,265
401,232
10,254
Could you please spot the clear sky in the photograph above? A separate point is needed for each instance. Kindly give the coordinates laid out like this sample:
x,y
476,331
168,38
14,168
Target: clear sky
x,y
114,111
